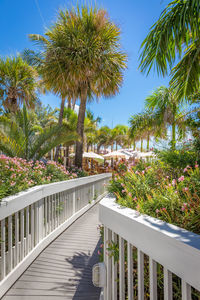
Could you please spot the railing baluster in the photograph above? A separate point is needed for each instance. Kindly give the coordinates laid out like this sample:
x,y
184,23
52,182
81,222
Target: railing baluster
x,y
52,218
10,259
108,265
22,233
45,217
104,255
186,290
32,226
140,275
121,269
3,249
130,270
167,284
153,278
16,238
114,271
27,230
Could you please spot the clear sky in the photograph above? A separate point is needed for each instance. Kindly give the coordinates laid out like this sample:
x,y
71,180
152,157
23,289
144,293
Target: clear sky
x,y
18,18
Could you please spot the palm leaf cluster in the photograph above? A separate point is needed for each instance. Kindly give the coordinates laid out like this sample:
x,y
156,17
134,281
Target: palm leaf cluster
x,y
21,136
176,34
18,83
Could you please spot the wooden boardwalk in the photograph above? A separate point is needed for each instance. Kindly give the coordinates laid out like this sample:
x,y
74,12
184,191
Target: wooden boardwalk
x,y
64,269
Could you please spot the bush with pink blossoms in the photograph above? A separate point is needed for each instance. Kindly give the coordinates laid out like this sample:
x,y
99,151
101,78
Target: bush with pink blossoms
x,y
17,174
153,191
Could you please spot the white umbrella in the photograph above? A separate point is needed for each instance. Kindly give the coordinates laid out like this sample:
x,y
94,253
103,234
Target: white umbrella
x,y
115,154
89,155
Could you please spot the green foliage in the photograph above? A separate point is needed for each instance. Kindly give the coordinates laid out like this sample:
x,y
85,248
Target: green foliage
x,y
21,135
17,174
155,190
177,29
18,83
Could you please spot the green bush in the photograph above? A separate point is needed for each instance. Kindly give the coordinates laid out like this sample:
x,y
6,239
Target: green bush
x,y
17,174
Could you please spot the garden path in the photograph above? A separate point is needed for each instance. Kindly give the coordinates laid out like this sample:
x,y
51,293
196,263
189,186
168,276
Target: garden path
x,y
64,269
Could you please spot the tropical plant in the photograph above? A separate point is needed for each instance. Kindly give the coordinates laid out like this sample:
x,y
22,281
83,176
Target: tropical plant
x,y
18,83
21,136
121,133
83,48
167,111
177,31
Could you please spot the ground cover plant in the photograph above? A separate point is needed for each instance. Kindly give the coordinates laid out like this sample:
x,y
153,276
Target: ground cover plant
x,y
17,174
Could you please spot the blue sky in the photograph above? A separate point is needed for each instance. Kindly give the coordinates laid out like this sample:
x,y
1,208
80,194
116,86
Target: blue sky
x,y
135,17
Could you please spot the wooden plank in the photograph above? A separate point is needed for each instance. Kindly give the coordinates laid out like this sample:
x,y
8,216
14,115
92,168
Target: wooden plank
x,y
140,258
121,269
130,270
153,278
10,242
16,238
27,230
186,290
3,249
167,285
114,270
109,265
62,273
22,233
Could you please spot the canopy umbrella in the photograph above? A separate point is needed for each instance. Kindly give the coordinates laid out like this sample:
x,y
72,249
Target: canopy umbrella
x,y
115,154
90,155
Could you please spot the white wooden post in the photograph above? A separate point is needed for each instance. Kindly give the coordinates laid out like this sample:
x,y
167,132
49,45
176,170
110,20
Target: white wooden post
x,y
74,202
40,219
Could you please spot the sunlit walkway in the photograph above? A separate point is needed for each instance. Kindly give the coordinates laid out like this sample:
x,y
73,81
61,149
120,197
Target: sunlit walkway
x,y
64,269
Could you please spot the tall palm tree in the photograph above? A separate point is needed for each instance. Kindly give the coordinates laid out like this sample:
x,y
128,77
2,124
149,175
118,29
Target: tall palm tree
x,y
166,110
121,132
85,50
176,32
20,135
103,137
18,83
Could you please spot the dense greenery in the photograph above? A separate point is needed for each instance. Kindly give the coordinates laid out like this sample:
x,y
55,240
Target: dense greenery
x,y
168,188
17,174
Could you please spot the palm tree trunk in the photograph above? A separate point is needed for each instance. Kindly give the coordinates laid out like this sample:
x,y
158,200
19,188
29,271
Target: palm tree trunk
x,y
116,146
141,147
173,142
80,131
134,145
60,120
148,140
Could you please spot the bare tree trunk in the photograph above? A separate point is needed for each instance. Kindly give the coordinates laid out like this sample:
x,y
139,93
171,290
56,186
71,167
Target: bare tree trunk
x,y
80,131
60,120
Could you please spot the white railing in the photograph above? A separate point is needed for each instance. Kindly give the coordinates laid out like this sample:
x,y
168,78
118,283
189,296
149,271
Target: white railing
x,y
145,241
30,220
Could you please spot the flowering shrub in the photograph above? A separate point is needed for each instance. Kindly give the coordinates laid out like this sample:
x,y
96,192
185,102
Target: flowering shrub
x,y
154,191
17,174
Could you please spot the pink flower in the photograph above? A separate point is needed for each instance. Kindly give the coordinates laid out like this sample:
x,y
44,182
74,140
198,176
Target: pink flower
x,y
164,209
123,191
130,195
122,184
143,172
170,185
99,253
167,177
135,198
183,208
196,165
176,192
174,182
101,246
181,178
185,170
185,189
137,172
157,211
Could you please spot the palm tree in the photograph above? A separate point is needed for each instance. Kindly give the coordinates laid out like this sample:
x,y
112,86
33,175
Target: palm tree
x,y
177,31
121,132
103,137
21,136
18,83
84,47
166,110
